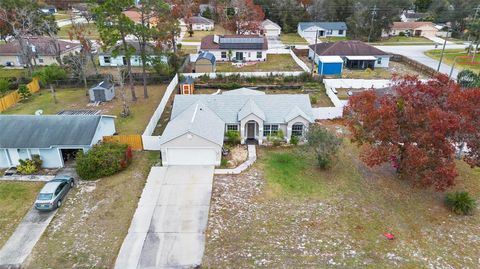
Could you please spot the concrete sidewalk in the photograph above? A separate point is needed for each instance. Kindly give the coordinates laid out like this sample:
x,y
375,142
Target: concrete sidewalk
x,y
168,228
22,241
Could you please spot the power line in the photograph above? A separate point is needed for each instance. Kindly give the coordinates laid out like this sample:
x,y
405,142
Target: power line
x,y
374,13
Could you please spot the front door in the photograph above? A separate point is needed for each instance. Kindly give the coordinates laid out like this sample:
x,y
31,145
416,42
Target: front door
x,y
321,33
251,130
239,56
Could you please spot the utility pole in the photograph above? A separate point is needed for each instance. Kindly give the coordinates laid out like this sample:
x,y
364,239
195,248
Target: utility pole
x,y
314,52
443,50
374,13
477,9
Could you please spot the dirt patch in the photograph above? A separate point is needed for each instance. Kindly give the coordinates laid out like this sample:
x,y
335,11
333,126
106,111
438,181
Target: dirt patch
x,y
237,155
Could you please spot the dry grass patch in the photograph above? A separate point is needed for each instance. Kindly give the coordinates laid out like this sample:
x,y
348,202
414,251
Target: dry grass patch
x,y
274,62
88,231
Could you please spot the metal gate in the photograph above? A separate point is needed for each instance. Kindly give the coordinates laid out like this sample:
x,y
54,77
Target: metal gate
x,y
99,95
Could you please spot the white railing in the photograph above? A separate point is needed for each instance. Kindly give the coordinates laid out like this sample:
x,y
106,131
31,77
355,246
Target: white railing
x,y
158,112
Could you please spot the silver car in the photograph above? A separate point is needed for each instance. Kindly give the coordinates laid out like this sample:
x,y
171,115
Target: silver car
x,y
53,193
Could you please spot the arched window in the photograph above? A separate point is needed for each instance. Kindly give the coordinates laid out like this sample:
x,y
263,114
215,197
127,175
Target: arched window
x,y
297,129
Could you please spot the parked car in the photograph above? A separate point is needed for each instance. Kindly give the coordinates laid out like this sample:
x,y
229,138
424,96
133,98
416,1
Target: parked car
x,y
53,193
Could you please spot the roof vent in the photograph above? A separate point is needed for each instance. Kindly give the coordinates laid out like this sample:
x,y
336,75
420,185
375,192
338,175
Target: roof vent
x,y
216,39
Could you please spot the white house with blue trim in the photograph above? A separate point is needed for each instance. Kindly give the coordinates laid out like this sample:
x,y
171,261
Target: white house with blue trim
x,y
324,29
52,137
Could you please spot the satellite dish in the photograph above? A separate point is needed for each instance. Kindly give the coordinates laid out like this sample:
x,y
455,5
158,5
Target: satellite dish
x,y
38,112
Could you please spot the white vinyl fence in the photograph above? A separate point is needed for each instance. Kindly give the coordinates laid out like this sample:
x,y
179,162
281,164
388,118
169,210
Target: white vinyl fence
x,y
158,112
244,74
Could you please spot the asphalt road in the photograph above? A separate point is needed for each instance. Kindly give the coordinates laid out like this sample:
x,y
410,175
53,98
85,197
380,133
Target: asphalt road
x,y
22,241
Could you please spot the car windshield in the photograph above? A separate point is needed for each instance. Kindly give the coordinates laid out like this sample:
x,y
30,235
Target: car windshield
x,y
45,196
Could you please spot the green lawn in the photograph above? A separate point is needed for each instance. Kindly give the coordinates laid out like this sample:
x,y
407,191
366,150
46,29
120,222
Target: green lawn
x,y
61,16
189,49
293,39
141,110
8,73
198,35
298,216
404,40
16,198
461,61
333,39
90,31
89,229
274,62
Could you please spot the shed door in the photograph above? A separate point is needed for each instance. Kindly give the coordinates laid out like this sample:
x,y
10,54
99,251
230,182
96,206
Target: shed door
x,y
99,95
191,156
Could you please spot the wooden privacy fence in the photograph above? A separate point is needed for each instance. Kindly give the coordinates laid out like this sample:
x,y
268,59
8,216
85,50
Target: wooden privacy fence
x,y
13,98
134,141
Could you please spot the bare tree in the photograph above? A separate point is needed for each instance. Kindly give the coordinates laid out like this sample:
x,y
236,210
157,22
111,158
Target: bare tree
x,y
120,77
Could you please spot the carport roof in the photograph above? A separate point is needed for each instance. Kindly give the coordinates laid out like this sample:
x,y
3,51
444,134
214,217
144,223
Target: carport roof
x,y
45,131
197,119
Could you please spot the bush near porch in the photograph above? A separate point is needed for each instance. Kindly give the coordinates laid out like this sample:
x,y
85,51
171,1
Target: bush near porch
x,y
103,160
296,215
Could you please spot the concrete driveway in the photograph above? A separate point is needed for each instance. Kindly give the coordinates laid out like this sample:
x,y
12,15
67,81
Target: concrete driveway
x,y
274,42
168,228
22,241
417,53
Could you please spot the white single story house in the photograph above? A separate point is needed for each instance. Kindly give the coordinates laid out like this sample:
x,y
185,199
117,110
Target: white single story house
x,y
108,58
198,23
248,48
42,51
196,131
269,28
52,137
324,29
355,54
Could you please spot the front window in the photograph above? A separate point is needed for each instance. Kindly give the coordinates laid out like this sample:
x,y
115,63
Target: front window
x,y
45,196
106,59
379,60
232,127
340,32
40,60
329,32
259,55
224,54
297,130
269,129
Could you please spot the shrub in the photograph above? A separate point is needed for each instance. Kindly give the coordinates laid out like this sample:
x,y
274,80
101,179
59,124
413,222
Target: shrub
x,y
460,202
277,139
324,144
4,85
233,137
24,91
30,166
313,99
401,34
294,140
103,160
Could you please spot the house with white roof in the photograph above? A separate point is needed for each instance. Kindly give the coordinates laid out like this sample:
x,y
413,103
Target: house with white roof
x,y
324,29
198,124
269,28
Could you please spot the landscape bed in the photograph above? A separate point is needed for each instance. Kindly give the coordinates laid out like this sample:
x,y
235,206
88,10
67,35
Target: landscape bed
x,y
285,212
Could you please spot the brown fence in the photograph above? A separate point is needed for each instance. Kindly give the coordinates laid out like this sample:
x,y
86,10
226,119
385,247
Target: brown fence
x,y
427,70
134,141
11,99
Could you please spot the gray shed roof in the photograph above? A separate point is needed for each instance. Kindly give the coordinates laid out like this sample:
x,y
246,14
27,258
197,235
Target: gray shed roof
x,y
197,119
105,84
276,107
30,131
325,25
207,55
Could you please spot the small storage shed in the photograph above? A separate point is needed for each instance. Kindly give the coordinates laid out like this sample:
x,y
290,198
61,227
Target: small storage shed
x,y
102,92
330,65
187,86
205,63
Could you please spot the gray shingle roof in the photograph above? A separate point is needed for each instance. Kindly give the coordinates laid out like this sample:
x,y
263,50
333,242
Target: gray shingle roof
x,y
325,25
29,131
197,119
275,106
249,108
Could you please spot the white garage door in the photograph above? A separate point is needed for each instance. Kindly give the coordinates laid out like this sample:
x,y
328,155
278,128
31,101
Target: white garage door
x,y
273,32
191,156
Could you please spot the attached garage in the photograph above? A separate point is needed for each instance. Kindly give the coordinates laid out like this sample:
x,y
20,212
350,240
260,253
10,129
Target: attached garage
x,y
194,137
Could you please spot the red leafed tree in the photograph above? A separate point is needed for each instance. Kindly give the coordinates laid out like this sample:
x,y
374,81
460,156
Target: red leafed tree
x,y
247,17
416,127
185,9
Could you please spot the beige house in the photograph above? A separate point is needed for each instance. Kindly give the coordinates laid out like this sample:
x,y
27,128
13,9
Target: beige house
x,y
41,50
416,28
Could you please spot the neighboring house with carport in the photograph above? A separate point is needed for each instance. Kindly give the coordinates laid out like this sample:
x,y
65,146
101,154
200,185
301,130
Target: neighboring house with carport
x,y
416,28
355,54
249,48
198,23
41,49
52,137
109,58
102,92
271,29
205,63
195,133
324,29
